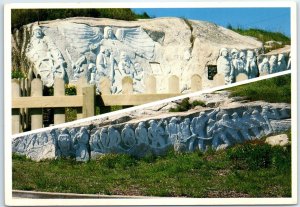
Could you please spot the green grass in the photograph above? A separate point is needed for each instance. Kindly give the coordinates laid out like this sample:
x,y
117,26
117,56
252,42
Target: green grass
x,y
273,90
228,173
263,35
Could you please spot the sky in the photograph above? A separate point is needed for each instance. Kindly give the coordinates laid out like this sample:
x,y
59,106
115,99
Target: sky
x,y
271,19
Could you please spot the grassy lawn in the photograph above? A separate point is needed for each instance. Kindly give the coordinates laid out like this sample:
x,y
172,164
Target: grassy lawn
x,y
273,90
254,169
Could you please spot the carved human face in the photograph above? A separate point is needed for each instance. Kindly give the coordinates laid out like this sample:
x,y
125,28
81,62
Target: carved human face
x,y
250,54
224,53
124,57
234,115
141,124
265,60
109,33
280,57
107,52
273,59
234,55
242,55
38,33
103,130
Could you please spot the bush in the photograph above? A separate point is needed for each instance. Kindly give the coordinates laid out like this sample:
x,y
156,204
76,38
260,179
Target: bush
x,y
70,90
17,74
185,105
20,17
263,35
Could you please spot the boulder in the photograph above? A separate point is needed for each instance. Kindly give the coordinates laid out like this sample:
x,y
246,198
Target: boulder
x,y
281,140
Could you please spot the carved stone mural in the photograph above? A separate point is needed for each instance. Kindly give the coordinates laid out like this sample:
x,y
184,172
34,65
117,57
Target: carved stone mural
x,y
233,63
161,47
216,128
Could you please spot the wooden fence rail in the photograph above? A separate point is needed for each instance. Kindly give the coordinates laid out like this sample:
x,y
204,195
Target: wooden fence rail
x,y
36,102
28,100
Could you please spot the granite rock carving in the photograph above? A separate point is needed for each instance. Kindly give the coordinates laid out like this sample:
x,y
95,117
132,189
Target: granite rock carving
x,y
217,128
231,64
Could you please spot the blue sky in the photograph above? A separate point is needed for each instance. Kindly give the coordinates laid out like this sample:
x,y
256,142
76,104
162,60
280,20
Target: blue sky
x,y
271,19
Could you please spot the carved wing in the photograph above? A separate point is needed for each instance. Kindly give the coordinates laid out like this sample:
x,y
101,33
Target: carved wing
x,y
138,40
79,37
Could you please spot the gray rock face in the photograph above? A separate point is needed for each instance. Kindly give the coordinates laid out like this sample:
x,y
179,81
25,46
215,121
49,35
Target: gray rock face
x,y
95,48
198,129
36,146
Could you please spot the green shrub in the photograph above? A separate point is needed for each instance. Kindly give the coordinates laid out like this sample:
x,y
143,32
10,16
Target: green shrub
x,y
70,90
262,35
19,157
198,103
17,74
20,17
185,105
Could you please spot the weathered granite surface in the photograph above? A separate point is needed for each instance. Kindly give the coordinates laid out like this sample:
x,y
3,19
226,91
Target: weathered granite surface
x,y
94,48
228,121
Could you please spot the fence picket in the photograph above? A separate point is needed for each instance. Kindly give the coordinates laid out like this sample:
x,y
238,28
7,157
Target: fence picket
x,y
36,113
59,90
174,84
127,85
196,83
150,84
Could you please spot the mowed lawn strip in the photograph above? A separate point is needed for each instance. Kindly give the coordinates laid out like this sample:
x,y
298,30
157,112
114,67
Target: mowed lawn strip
x,y
266,172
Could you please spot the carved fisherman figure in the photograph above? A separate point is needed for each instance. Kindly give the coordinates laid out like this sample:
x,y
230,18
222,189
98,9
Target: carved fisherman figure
x,y
141,133
128,136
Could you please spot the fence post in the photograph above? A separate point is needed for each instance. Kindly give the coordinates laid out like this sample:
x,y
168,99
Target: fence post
x,y
27,93
15,92
196,83
219,80
81,82
150,84
59,90
22,110
127,85
173,84
88,105
36,113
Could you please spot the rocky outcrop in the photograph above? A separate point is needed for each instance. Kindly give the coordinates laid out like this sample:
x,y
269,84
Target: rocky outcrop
x,y
95,48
